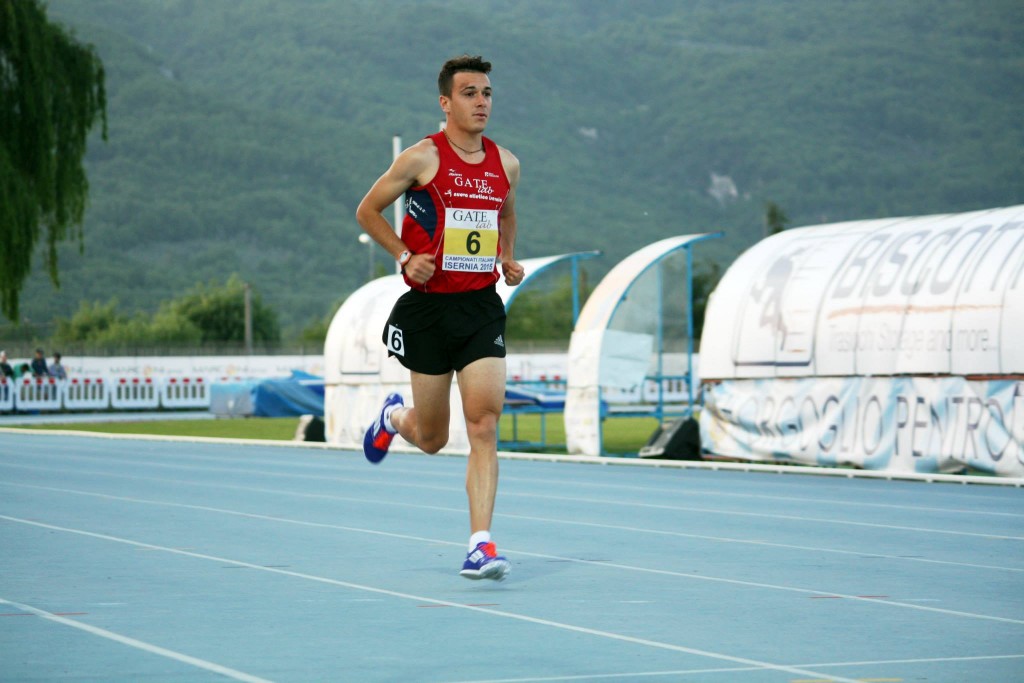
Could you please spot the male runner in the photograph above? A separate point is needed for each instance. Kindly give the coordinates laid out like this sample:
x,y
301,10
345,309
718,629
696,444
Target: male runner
x,y
460,222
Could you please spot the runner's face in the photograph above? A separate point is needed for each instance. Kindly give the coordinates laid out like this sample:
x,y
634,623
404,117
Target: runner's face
x,y
469,107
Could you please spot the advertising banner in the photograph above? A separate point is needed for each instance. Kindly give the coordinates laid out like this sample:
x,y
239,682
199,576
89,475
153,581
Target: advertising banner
x,y
886,344
905,424
923,295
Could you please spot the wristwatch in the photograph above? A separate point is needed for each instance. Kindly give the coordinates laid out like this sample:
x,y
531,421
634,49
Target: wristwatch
x,y
404,258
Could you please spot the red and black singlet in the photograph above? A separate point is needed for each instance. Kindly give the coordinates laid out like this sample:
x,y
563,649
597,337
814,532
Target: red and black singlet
x,y
456,217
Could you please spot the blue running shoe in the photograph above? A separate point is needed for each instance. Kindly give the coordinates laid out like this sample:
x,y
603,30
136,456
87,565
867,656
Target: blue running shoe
x,y
378,439
485,563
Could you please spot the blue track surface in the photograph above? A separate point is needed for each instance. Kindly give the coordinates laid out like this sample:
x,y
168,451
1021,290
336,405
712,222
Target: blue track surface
x,y
133,560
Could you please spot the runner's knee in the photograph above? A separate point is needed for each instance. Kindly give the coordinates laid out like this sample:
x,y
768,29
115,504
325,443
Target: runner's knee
x,y
482,425
431,441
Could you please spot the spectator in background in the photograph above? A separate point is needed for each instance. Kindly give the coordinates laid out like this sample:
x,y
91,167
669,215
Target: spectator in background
x,y
57,370
23,370
5,368
39,365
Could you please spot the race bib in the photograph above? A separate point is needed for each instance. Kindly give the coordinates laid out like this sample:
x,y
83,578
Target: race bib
x,y
470,240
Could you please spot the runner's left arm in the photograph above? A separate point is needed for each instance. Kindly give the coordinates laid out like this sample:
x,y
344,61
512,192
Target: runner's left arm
x,y
510,268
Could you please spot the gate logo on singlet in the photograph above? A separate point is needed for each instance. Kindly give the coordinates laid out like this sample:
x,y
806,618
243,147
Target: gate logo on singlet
x,y
470,240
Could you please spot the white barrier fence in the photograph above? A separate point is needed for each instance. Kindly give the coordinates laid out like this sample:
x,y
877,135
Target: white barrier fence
x,y
186,392
6,394
38,394
86,394
135,393
30,394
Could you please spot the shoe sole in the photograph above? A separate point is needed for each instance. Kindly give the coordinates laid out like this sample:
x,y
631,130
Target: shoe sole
x,y
372,454
492,570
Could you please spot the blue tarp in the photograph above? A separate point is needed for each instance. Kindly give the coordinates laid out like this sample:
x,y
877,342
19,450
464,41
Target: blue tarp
x,y
232,399
537,397
300,394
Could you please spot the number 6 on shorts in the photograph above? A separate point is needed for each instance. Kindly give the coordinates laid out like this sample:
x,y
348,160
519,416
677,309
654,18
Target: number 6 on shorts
x,y
396,343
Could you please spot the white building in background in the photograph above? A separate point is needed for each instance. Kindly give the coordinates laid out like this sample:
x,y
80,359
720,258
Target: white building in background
x,y
889,344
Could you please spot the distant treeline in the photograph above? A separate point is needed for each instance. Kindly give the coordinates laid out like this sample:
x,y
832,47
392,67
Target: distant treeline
x,y
243,134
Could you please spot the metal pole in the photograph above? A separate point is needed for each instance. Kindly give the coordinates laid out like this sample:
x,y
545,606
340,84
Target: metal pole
x,y
248,318
575,290
396,149
369,265
689,328
365,239
661,341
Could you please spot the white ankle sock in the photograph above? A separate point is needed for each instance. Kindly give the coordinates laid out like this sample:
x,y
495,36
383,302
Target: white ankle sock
x,y
477,538
387,419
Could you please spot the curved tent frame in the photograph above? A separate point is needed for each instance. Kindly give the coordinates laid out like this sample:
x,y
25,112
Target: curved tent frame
x,y
601,358
357,371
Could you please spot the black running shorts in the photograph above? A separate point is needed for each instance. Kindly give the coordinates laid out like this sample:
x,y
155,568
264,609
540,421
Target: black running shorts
x,y
434,334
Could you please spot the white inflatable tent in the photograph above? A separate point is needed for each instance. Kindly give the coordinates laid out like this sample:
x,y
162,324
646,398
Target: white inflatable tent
x,y
889,344
603,359
358,373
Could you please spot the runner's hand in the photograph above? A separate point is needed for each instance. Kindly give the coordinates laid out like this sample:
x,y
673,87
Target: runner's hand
x,y
513,272
420,268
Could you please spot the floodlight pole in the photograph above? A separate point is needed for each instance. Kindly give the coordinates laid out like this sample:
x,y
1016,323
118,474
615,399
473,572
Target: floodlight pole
x,y
248,318
689,328
396,149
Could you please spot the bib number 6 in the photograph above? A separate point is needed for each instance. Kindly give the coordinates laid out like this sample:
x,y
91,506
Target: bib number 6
x,y
473,243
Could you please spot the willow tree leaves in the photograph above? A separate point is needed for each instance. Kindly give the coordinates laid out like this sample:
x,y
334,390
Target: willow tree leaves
x,y
51,95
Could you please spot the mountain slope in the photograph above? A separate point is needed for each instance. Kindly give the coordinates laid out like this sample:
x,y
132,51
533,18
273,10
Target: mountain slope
x,y
243,133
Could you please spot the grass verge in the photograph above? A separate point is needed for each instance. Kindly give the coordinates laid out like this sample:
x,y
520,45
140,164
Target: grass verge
x,y
266,428
621,435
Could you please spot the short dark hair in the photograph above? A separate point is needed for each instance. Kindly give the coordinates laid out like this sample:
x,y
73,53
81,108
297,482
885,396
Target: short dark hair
x,y
457,64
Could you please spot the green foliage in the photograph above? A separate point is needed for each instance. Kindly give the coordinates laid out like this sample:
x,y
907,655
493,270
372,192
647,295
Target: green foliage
x,y
218,312
51,93
92,320
245,133
775,219
542,314
209,313
100,325
706,275
315,331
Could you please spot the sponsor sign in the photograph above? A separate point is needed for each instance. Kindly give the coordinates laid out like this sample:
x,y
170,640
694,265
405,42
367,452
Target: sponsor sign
x,y
907,424
890,321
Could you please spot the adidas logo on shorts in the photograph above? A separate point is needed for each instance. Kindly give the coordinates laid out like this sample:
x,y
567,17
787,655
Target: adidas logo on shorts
x,y
499,342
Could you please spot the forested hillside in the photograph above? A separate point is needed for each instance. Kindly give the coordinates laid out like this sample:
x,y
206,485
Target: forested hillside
x,y
242,133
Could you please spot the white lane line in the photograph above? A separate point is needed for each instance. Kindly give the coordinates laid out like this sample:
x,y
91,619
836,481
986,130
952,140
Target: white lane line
x,y
589,501
683,672
422,599
919,660
714,466
603,677
747,541
138,644
762,515
329,464
531,518
559,558
686,488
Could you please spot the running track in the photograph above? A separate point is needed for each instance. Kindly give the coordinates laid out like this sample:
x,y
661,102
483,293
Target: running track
x,y
166,560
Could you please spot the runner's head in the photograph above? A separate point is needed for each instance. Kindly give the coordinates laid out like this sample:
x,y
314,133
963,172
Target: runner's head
x,y
454,66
